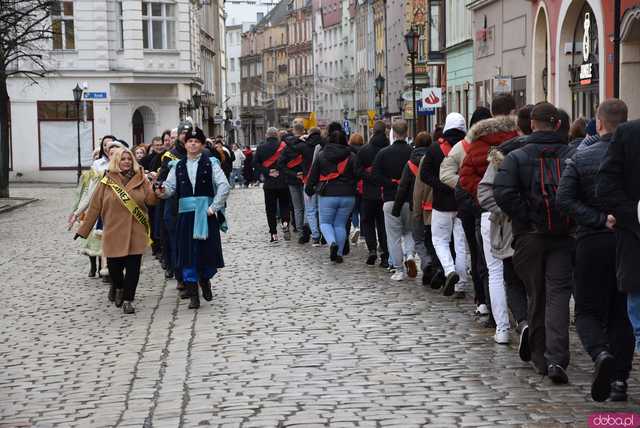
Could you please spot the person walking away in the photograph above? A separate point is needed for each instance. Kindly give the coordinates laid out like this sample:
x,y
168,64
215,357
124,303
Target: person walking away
x,y
387,170
619,190
236,166
201,187
332,178
312,145
371,213
525,188
444,220
356,142
500,228
484,136
121,199
602,321
406,194
290,165
276,191
469,215
247,168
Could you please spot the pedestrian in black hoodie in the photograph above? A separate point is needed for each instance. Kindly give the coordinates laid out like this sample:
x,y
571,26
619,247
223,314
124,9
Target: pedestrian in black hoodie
x,y
387,170
428,258
333,179
371,214
276,192
444,219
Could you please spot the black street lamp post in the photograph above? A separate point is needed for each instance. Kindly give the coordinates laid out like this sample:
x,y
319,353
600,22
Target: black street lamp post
x,y
412,39
77,96
380,89
400,102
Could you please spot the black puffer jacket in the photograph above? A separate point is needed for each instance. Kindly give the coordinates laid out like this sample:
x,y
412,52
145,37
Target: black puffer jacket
x,y
405,188
289,157
512,184
326,163
388,166
576,196
264,152
364,162
443,196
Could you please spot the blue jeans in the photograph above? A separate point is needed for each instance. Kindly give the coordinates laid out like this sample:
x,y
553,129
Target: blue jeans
x,y
236,175
355,216
334,214
633,307
311,211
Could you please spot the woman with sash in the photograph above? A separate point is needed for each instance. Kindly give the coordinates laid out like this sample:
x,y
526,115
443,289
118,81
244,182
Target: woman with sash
x,y
121,200
201,188
333,179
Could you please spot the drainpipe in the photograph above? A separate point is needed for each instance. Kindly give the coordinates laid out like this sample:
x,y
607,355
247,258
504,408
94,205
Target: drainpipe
x,y
616,50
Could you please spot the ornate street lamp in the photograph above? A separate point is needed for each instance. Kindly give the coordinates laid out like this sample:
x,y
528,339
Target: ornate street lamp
x,y
412,39
380,89
400,102
77,96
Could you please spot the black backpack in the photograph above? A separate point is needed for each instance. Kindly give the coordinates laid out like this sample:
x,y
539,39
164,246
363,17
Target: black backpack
x,y
547,167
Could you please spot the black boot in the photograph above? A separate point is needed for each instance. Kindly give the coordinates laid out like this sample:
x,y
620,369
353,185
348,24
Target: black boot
x,y
347,248
112,293
94,267
618,391
306,234
119,297
194,295
207,294
371,259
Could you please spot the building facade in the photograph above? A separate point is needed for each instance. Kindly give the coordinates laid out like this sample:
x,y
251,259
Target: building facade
x,y
140,65
251,81
300,57
459,59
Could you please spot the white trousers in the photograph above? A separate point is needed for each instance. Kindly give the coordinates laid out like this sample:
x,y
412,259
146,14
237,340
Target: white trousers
x,y
497,290
443,224
399,234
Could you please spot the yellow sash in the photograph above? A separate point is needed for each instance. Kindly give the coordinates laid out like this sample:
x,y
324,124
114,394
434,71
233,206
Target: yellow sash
x,y
130,204
170,156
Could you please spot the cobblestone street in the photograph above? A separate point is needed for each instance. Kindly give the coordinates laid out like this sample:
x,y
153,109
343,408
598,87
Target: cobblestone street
x,y
289,340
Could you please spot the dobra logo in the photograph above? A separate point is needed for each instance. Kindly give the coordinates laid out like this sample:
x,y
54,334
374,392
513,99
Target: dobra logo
x,y
614,420
432,99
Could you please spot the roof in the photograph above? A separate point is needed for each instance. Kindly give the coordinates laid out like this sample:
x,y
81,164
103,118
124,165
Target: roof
x,y
276,16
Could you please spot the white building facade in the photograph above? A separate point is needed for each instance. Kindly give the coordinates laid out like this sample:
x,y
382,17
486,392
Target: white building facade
x,y
139,63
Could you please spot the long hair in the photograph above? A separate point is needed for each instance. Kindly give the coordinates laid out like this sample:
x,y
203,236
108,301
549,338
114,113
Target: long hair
x,y
114,161
102,153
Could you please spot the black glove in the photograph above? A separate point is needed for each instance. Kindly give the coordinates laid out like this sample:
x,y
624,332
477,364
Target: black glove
x,y
221,217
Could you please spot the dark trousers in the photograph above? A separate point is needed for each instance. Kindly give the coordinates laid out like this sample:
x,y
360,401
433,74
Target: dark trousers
x,y
479,273
124,273
431,251
372,221
274,199
601,310
545,265
516,292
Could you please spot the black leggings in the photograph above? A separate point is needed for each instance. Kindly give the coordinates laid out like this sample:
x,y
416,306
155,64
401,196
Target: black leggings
x,y
272,199
124,273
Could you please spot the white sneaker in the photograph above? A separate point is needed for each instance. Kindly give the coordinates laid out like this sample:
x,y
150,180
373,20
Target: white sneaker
x,y
355,234
482,310
501,337
398,276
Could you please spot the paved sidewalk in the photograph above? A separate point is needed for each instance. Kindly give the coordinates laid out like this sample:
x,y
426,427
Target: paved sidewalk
x,y
289,340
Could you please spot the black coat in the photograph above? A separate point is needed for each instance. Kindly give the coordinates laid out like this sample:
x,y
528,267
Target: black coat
x,y
293,150
364,161
327,162
619,190
388,166
264,152
405,188
512,184
443,196
576,196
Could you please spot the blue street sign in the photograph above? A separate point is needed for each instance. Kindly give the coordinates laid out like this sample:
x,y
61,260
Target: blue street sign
x,y
95,95
424,111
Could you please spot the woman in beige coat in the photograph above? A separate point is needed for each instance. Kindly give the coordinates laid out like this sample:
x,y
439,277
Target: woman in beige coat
x,y
125,237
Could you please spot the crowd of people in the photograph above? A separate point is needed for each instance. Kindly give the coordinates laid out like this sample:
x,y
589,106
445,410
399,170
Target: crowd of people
x,y
171,196
523,209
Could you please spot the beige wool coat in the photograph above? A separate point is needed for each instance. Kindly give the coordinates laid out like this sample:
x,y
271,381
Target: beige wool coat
x,y
422,192
122,234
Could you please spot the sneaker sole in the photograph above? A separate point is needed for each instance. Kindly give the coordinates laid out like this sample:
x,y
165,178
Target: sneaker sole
x,y
450,285
412,269
523,348
601,386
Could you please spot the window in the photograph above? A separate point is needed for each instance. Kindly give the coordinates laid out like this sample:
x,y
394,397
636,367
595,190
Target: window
x,y
158,25
435,11
244,99
58,134
62,25
119,23
232,64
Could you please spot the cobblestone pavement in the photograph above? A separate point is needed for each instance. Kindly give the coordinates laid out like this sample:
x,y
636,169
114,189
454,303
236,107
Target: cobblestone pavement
x,y
289,340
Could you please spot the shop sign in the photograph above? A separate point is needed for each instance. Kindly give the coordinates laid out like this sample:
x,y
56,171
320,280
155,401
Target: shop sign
x,y
586,69
431,97
502,84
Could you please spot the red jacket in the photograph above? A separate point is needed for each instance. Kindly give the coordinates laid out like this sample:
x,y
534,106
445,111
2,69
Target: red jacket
x,y
482,136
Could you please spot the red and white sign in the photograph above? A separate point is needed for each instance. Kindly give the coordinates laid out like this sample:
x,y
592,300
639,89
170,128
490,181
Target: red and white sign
x,y
432,97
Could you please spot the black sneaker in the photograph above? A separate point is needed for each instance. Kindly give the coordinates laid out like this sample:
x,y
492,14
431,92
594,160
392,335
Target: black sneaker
x,y
557,374
347,248
333,252
371,260
450,284
306,235
274,238
618,391
438,280
315,242
339,259
523,349
128,308
323,241
206,290
384,262
602,374
195,302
